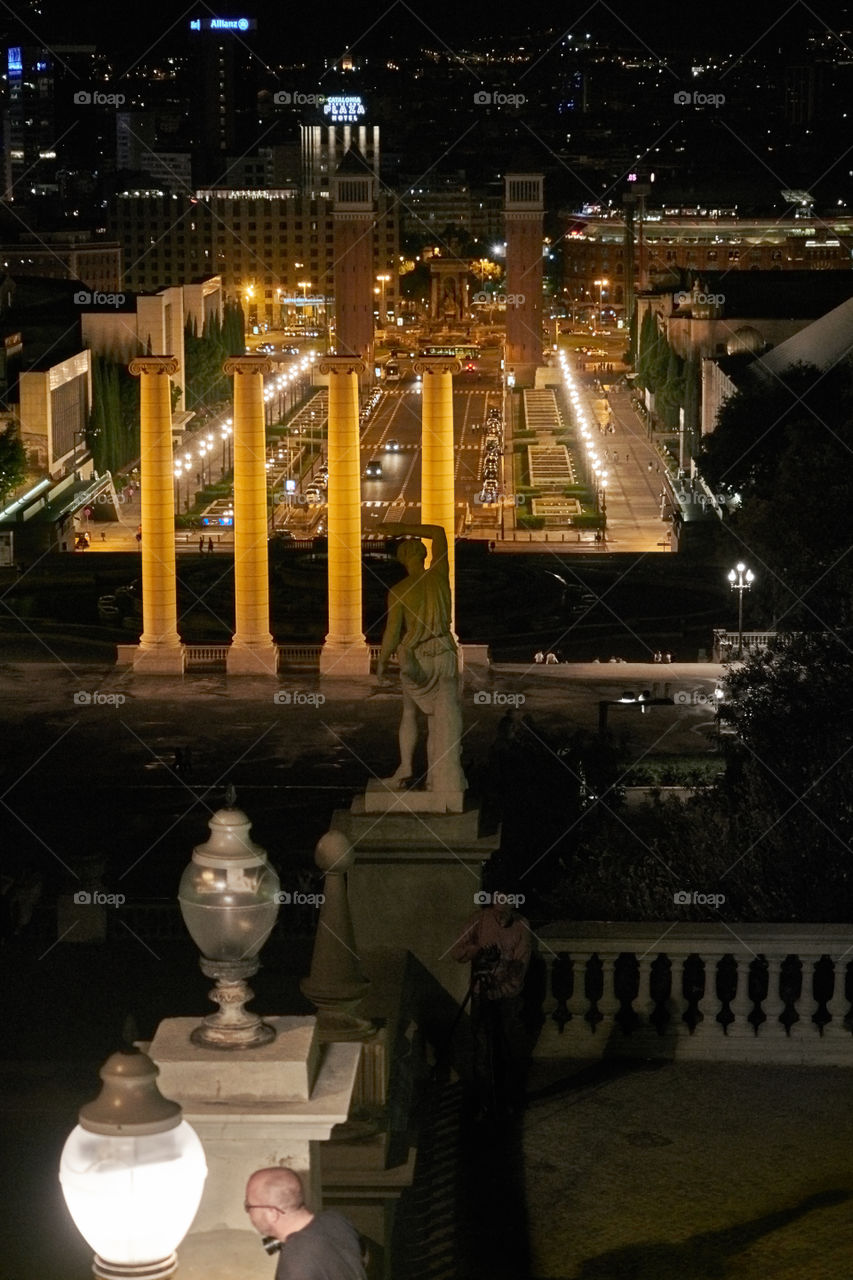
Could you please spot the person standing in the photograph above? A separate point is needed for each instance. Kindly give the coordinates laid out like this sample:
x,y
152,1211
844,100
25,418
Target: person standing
x,y
322,1246
210,546
496,941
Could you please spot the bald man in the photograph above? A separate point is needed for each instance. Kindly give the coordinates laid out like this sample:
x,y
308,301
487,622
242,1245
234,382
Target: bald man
x,y
321,1246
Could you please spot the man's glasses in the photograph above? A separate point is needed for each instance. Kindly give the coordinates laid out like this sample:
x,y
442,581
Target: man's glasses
x,y
249,1207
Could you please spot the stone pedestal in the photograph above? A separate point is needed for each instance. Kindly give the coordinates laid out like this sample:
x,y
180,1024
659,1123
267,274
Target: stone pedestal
x,y
252,651
251,1109
382,798
159,651
414,882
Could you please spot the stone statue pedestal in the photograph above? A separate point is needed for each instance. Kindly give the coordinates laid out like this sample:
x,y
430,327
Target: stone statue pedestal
x,y
383,797
414,879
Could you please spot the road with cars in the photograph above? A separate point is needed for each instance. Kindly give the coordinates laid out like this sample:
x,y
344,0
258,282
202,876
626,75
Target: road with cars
x,y
391,458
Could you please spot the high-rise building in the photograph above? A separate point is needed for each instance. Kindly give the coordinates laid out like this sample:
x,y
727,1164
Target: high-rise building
x,y
340,123
273,248
223,101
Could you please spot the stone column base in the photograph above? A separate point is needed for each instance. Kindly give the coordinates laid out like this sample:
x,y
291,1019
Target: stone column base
x,y
168,660
251,660
344,660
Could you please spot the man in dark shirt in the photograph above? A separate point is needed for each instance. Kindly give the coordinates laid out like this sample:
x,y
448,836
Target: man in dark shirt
x,y
321,1246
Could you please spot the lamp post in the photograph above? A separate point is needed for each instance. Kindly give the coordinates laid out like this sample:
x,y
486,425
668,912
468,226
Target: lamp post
x,y
741,580
229,896
383,281
179,471
601,285
132,1173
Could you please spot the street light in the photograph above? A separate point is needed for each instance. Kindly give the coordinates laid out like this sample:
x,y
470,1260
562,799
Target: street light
x,y
132,1173
383,280
229,896
741,580
601,284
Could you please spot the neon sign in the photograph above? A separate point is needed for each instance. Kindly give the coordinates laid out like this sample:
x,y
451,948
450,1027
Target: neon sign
x,y
15,63
223,24
344,110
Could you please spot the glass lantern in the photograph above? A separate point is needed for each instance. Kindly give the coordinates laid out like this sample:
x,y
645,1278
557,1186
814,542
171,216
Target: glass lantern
x,y
132,1173
229,896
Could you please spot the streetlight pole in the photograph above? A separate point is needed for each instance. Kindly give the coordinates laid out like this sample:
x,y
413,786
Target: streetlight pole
x,y
741,579
602,284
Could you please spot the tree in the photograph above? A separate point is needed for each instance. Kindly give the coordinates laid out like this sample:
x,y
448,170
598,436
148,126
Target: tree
x,y
786,448
13,460
233,329
786,790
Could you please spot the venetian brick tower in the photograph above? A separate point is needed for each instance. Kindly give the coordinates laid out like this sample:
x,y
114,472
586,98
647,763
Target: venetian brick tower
x,y
354,217
524,225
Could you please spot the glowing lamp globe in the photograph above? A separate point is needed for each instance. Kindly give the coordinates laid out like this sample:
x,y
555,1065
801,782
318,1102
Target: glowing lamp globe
x,y
132,1173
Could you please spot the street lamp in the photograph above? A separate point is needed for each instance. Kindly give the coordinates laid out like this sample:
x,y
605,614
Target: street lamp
x,y
601,285
229,896
741,580
383,280
179,471
132,1173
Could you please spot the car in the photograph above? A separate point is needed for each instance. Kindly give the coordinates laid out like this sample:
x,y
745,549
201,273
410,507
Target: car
x,y
492,443
373,470
322,476
392,446
314,495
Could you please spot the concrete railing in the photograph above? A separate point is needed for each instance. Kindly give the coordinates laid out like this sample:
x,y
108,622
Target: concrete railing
x,y
205,655
726,643
760,993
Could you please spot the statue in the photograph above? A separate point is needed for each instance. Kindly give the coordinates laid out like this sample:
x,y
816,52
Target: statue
x,y
418,630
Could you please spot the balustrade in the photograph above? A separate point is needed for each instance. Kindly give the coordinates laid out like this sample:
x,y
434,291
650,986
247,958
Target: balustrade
x,y
739,993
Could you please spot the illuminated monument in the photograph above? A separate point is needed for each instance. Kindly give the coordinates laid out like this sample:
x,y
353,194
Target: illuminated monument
x,y
252,652
159,651
523,220
354,193
345,651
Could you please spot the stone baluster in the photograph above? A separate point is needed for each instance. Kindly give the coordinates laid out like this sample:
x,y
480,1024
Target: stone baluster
x,y
741,1004
838,1005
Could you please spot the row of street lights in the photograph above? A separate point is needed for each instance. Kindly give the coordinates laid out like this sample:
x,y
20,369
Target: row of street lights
x,y
595,467
186,465
276,389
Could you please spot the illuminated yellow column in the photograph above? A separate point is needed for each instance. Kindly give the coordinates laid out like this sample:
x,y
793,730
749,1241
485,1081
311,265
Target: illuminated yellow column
x,y
160,651
345,651
438,489
252,651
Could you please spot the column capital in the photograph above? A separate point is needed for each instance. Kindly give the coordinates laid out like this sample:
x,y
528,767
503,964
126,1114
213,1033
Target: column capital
x,y
153,364
341,364
437,364
247,364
